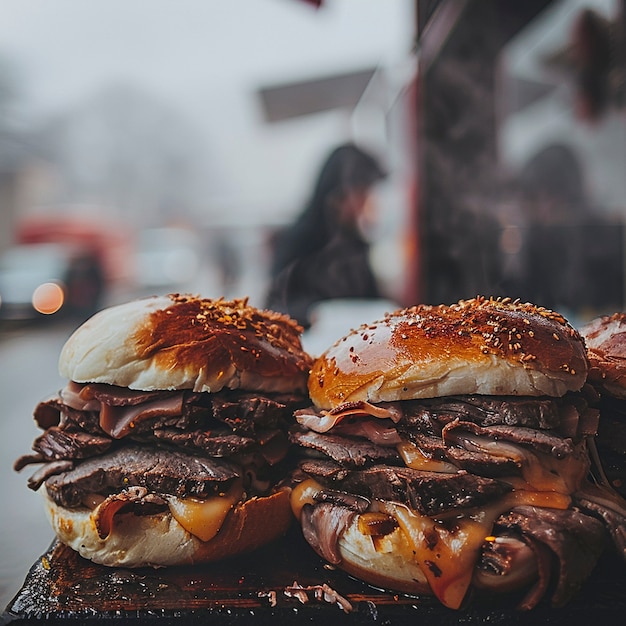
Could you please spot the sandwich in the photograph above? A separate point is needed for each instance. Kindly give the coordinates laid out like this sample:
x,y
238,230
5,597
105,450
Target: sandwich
x,y
605,337
168,443
445,453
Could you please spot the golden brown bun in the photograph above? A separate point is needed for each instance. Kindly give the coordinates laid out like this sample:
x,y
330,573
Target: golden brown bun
x,y
159,540
478,346
184,342
606,348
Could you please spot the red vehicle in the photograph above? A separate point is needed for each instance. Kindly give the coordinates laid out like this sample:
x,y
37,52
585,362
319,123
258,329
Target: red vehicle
x,y
109,242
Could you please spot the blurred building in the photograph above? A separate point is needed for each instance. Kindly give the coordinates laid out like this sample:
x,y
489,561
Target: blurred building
x,y
25,177
503,130
521,147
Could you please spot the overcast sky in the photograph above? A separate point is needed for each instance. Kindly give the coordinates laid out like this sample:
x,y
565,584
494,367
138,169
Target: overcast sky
x,y
206,57
67,47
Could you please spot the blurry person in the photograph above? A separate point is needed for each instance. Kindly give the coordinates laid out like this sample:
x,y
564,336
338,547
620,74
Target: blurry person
x,y
86,285
228,263
324,254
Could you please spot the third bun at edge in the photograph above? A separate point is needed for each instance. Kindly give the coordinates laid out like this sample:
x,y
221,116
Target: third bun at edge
x,y
605,337
478,346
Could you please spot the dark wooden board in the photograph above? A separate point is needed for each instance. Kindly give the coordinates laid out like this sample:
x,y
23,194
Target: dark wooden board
x,y
61,588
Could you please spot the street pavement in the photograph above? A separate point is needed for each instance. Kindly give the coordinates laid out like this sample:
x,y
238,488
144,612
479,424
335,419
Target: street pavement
x,y
28,374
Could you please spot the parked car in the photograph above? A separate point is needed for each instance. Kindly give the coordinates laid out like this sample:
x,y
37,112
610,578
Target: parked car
x,y
47,279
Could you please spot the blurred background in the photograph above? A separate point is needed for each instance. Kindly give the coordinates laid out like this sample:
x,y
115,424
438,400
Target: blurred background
x,y
151,146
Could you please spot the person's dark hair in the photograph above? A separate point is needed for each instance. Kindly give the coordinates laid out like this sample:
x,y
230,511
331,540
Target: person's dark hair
x,y
346,168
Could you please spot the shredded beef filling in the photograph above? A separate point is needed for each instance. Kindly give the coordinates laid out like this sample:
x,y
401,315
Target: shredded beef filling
x,y
484,445
575,539
100,438
158,470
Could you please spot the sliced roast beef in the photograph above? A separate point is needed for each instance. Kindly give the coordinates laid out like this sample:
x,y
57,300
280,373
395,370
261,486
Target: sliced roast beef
x,y
481,463
29,459
322,525
353,412
119,411
121,420
553,444
350,452
540,413
218,444
575,539
608,507
419,419
379,431
57,444
53,412
342,498
324,469
429,493
89,421
222,424
541,441
88,396
47,412
47,470
240,410
158,470
428,415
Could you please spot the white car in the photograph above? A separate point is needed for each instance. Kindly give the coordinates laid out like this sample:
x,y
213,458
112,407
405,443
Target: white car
x,y
49,279
166,258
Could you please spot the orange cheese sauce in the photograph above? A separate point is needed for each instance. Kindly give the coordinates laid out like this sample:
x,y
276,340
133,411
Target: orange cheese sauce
x,y
204,518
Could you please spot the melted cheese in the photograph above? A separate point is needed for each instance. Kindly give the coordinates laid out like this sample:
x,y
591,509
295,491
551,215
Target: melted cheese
x,y
204,518
446,548
523,494
303,493
540,471
446,554
547,473
447,551
413,457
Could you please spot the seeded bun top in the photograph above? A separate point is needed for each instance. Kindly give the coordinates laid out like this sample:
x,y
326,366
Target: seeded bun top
x,y
186,342
478,346
606,348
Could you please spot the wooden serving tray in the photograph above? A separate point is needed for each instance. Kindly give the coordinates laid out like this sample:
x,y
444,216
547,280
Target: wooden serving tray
x,y
282,583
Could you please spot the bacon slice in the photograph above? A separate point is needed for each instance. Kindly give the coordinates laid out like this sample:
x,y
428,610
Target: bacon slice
x,y
118,421
323,421
121,409
105,512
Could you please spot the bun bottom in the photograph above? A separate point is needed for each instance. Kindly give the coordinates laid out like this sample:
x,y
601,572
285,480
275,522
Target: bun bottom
x,y
159,540
387,565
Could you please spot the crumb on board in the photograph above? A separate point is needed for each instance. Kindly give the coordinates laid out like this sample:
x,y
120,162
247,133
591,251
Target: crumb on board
x,y
302,593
